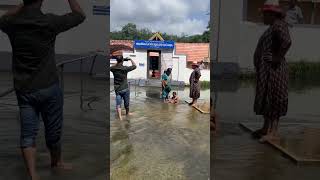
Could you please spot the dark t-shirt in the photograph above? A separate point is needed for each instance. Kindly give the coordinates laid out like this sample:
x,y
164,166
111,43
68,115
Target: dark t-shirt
x,y
32,35
120,76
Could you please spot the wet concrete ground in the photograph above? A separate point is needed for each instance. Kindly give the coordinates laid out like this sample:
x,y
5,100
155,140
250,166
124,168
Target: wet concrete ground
x,y
296,141
235,155
84,139
160,141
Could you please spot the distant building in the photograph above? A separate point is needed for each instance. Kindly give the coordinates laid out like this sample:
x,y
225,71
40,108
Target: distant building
x,y
241,26
155,55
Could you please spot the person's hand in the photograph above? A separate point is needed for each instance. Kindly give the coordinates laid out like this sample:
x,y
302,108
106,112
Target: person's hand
x,y
75,7
133,63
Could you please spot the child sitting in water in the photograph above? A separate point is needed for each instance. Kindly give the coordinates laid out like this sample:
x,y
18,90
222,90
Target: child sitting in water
x,y
174,99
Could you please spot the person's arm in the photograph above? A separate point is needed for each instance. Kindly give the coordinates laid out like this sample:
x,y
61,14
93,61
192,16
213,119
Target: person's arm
x,y
176,100
197,76
4,19
281,43
133,63
75,7
132,67
164,83
70,20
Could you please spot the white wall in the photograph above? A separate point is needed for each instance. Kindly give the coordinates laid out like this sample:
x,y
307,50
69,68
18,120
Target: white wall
x,y
140,57
230,18
179,67
205,75
89,36
166,59
180,72
10,2
305,43
238,39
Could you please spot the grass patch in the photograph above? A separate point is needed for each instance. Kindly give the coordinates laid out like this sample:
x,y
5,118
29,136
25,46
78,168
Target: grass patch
x,y
205,84
301,70
304,70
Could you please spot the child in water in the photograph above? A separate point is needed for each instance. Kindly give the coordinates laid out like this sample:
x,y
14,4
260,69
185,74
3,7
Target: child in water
x,y
174,99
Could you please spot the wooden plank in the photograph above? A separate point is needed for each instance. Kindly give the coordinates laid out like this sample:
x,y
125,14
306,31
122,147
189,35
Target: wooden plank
x,y
274,145
292,156
198,108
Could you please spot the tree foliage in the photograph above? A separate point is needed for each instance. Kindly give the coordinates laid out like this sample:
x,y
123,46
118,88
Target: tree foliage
x,y
131,32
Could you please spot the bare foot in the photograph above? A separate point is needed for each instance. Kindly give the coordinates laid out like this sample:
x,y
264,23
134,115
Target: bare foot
x,y
259,133
275,137
62,166
264,139
36,177
130,114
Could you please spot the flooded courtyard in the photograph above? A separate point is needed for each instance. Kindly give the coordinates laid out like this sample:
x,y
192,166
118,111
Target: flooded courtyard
x,y
84,138
235,151
160,141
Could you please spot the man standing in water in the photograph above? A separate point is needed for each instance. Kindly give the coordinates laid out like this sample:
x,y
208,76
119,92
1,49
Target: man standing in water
x,y
121,87
32,35
194,81
271,100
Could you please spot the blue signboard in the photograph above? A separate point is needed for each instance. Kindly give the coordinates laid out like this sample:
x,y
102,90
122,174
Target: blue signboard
x,y
142,44
101,10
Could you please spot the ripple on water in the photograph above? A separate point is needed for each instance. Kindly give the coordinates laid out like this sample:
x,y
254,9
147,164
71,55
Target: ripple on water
x,y
160,141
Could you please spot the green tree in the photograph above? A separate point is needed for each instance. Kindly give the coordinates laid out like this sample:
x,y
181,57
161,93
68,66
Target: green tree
x,y
206,34
130,32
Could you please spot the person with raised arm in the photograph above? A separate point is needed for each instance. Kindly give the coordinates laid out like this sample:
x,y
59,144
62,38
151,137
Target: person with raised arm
x,y
121,86
32,35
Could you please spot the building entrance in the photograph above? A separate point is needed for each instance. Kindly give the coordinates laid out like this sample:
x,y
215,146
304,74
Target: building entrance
x,y
154,64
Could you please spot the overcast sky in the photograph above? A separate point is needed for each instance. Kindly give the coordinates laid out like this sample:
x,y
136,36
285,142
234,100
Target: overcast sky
x,y
170,16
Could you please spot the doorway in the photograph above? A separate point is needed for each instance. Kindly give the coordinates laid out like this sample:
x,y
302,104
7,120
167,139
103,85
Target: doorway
x,y
154,64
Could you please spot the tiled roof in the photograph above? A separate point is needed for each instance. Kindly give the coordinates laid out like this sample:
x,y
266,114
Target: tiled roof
x,y
122,42
193,51
118,46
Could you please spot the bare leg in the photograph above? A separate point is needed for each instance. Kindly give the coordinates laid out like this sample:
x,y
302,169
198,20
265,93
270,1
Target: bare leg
x,y
269,131
128,113
119,113
29,155
56,160
265,126
275,134
194,102
264,130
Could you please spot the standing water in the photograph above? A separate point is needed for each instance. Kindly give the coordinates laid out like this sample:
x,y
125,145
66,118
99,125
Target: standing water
x,y
84,138
234,149
160,141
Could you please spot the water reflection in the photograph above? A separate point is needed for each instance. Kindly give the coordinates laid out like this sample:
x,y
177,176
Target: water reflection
x,y
160,141
234,149
84,139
